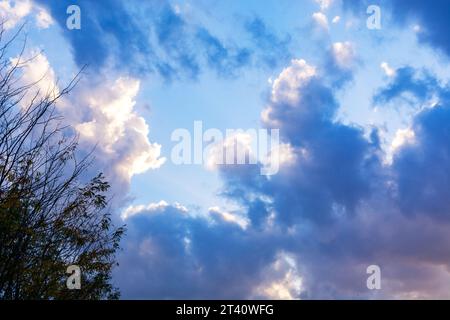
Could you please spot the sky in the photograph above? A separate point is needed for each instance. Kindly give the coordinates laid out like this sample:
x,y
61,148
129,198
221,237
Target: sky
x,y
363,113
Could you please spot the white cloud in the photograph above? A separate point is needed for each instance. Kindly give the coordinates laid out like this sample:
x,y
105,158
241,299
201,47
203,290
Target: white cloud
x,y
104,116
321,20
151,208
336,19
229,217
239,146
417,28
390,72
343,54
12,12
286,87
283,280
35,70
401,138
324,4
285,155
43,18
119,133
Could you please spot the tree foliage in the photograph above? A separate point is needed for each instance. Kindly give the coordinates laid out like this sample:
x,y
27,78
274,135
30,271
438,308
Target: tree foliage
x,y
49,218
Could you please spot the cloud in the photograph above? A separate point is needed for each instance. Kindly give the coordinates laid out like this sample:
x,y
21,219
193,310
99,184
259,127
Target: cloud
x,y
36,71
283,280
388,71
12,12
228,217
170,254
101,111
220,58
273,50
431,19
43,19
303,107
343,54
321,20
402,137
157,38
336,19
423,166
109,122
324,4
341,208
105,39
311,230
150,208
409,84
285,87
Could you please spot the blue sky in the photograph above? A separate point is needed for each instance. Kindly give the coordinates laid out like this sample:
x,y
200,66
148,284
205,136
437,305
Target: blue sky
x,y
361,112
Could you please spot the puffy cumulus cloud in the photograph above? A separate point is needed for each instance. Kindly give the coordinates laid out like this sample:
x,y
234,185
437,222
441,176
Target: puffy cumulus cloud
x,y
341,61
321,20
341,208
312,230
285,87
108,121
37,73
102,113
155,37
306,121
13,12
343,54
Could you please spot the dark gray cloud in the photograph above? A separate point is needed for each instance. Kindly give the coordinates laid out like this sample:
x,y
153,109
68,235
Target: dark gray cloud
x,y
336,210
423,167
172,254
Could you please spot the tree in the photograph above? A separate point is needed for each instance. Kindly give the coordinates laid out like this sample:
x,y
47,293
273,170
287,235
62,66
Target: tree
x,y
49,218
